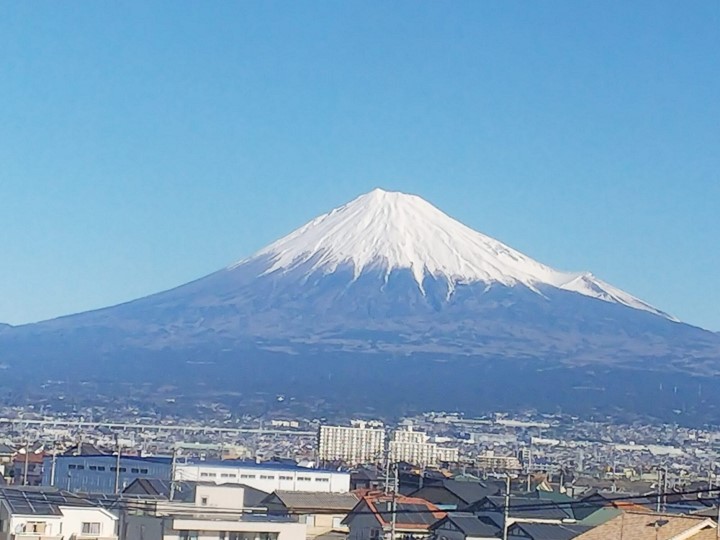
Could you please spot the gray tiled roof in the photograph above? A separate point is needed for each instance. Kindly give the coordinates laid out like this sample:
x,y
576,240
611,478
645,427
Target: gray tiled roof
x,y
309,500
470,524
547,531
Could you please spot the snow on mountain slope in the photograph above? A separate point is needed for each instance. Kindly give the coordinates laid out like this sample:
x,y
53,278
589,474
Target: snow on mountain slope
x,y
389,231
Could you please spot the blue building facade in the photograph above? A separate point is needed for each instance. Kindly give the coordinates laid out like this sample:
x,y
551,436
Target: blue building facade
x,y
97,473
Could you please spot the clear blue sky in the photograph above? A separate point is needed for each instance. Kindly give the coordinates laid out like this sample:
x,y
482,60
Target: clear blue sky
x,y
145,144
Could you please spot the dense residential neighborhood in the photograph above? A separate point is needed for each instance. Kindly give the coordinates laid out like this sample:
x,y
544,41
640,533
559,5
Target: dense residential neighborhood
x,y
438,476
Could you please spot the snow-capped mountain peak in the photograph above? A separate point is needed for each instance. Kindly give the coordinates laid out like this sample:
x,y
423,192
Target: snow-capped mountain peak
x,y
388,231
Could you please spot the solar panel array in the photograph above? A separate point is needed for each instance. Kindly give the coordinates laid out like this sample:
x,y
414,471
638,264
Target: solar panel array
x,y
39,501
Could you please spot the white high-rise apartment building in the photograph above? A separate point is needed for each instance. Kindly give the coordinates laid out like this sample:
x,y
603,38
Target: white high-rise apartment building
x,y
415,447
364,442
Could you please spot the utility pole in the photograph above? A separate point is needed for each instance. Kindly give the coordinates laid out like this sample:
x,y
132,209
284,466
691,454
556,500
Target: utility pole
x,y
117,464
27,462
54,464
659,488
387,471
172,473
506,507
393,523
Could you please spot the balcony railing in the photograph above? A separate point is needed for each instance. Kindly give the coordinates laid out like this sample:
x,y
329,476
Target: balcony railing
x,y
34,536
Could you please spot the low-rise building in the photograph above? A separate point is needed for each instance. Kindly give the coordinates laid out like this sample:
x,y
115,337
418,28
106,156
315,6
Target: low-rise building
x,y
652,526
321,512
210,512
464,526
32,513
371,519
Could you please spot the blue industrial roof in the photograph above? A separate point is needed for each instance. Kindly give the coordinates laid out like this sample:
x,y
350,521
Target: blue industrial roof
x,y
141,459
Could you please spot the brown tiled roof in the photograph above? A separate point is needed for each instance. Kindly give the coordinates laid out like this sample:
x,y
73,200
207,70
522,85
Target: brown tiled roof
x,y
648,526
409,516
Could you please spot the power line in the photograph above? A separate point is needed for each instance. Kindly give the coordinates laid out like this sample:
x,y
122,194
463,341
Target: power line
x,y
63,498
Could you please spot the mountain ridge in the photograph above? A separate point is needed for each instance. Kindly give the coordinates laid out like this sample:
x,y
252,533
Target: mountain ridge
x,y
308,314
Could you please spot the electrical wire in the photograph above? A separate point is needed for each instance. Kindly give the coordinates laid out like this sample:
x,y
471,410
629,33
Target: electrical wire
x,y
63,498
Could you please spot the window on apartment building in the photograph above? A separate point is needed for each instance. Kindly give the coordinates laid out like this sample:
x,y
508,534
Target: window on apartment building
x,y
143,471
91,528
247,476
304,478
322,479
135,471
266,477
188,535
286,478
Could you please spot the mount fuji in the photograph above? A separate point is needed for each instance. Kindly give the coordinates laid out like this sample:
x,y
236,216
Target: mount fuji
x,y
384,288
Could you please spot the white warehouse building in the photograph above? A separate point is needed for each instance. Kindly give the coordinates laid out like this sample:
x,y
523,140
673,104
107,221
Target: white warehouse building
x,y
266,477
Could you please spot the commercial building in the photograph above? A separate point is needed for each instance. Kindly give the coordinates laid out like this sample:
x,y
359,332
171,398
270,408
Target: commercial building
x,y
355,445
267,477
99,473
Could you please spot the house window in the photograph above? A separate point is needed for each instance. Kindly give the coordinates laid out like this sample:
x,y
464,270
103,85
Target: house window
x,y
91,528
203,501
135,471
36,527
143,471
188,535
